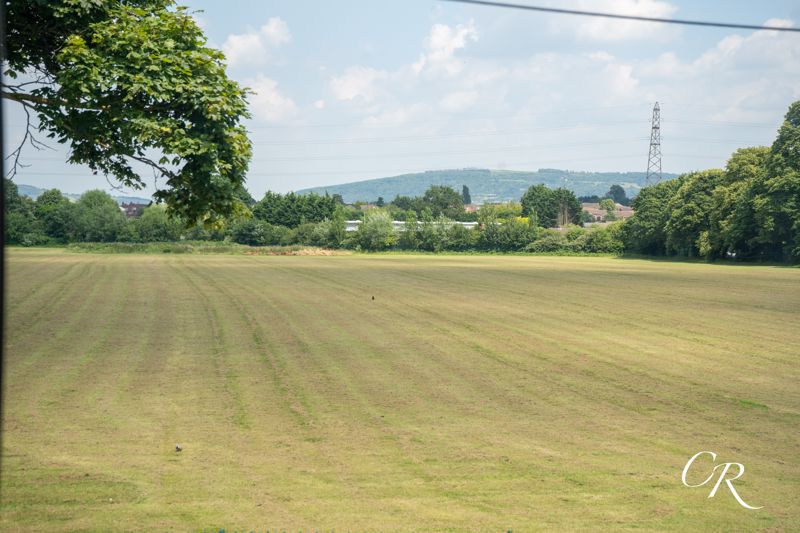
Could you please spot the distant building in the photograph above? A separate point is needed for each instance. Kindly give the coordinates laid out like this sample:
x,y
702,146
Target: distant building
x,y
132,210
620,211
399,225
471,208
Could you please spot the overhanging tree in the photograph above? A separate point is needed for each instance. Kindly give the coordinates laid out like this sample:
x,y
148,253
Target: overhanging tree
x,y
131,81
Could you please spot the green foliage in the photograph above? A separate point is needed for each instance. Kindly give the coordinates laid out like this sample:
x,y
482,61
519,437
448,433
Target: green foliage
x,y
466,197
460,239
443,200
155,225
609,206
56,214
185,247
432,232
20,225
438,200
645,231
733,229
408,239
503,211
332,232
776,200
131,79
553,207
202,232
586,217
376,232
98,218
689,211
512,234
548,240
254,232
573,233
606,239
293,209
538,199
617,194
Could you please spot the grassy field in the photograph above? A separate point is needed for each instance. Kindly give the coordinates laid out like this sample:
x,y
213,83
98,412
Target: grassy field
x,y
474,393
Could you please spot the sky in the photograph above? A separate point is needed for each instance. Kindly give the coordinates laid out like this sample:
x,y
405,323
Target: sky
x,y
358,89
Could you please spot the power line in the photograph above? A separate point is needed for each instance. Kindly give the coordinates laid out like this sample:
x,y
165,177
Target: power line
x,y
672,139
624,17
447,152
542,163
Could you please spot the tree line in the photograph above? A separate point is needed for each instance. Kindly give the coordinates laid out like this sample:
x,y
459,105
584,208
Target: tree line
x,y
319,220
748,210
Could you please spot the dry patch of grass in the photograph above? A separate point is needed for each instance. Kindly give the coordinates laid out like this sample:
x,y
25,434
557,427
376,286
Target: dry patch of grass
x,y
473,393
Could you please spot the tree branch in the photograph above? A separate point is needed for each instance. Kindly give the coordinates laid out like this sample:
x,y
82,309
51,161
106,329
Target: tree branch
x,y
156,166
30,100
27,138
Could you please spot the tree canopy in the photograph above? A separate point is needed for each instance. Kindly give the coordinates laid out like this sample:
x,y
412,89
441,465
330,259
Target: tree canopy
x,y
129,83
552,207
749,210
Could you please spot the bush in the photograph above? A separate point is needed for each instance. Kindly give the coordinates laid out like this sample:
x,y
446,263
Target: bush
x,y
330,233
199,232
432,234
255,232
549,240
376,232
156,226
513,234
460,238
574,232
302,234
605,240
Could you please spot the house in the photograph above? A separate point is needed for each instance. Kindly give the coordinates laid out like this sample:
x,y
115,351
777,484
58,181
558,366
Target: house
x,y
620,211
132,210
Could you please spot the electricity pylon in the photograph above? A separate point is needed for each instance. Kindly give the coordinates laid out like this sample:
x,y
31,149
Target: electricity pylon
x,y
654,157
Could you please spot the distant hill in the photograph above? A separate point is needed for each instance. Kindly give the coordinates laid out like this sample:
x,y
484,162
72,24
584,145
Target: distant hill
x,y
486,185
34,192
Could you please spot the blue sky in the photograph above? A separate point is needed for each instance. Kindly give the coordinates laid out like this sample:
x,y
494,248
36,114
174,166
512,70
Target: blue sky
x,y
357,89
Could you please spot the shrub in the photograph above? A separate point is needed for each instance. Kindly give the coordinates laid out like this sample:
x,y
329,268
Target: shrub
x,y
548,241
257,232
605,240
460,238
376,232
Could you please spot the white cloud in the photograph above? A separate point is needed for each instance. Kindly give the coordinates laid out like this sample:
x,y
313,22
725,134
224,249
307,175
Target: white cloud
x,y
319,104
600,55
255,48
398,115
607,29
459,101
759,70
276,32
267,103
441,45
357,82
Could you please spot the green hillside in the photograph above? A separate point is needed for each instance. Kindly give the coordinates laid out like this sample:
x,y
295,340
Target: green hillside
x,y
487,185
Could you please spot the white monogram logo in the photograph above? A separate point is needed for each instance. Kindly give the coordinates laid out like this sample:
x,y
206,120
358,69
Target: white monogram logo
x,y
725,467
